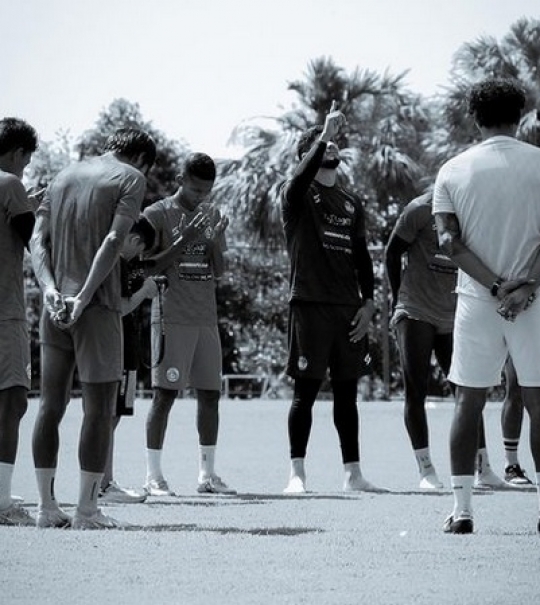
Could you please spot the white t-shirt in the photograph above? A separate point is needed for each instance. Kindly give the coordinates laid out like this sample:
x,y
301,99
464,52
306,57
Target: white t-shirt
x,y
493,189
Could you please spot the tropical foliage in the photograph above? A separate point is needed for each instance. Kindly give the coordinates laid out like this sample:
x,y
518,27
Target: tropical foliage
x,y
516,55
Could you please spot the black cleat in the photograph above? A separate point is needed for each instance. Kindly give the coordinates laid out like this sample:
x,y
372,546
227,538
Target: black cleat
x,y
462,525
515,475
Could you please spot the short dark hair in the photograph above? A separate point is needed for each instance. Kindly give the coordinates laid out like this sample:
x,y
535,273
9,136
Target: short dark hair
x,y
496,102
132,142
17,134
307,139
143,228
200,165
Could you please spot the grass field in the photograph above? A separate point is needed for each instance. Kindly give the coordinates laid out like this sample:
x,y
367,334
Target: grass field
x,y
265,548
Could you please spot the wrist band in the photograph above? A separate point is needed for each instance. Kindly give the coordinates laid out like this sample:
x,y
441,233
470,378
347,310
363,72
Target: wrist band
x,y
495,286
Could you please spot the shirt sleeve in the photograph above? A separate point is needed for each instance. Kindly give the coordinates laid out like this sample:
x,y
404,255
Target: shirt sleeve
x,y
17,200
154,216
413,218
131,195
442,200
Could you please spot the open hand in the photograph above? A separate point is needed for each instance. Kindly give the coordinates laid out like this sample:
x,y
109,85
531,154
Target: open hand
x,y
361,321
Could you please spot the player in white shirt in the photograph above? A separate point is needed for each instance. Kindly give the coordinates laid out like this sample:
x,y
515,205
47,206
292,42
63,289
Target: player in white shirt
x,y
487,209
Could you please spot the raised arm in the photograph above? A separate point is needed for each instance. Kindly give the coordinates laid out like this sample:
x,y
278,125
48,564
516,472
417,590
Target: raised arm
x,y
310,164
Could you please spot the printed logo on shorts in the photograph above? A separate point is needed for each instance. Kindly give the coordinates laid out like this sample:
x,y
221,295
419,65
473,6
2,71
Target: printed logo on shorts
x,y
302,363
29,371
367,359
172,374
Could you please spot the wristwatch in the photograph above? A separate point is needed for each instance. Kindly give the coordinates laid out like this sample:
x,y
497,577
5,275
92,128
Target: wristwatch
x,y
495,286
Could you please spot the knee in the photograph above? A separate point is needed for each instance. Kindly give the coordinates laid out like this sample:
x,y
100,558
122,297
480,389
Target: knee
x,y
209,400
162,402
13,408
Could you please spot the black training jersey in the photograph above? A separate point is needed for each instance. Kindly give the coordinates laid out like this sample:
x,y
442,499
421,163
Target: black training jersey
x,y
325,235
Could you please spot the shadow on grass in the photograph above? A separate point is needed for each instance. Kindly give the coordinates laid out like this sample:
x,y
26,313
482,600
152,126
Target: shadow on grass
x,y
253,531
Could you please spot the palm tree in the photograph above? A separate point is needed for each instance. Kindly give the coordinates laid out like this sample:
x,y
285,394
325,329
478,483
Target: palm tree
x,y
382,144
248,187
516,55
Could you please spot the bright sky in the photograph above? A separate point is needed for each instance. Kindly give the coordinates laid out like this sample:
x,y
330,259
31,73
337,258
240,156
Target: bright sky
x,y
199,67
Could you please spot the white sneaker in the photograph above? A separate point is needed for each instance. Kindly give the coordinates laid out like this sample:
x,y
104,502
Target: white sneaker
x,y
356,483
15,514
488,480
431,481
296,485
115,494
158,487
96,520
54,517
214,485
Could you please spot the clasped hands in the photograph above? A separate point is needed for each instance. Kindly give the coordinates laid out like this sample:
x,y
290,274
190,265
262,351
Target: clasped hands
x,y
64,310
515,296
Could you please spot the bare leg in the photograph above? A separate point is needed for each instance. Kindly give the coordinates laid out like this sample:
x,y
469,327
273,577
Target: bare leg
x,y
208,416
108,473
57,368
13,406
158,417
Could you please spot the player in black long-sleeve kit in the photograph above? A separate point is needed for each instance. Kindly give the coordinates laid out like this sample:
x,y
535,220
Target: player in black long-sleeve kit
x,y
331,298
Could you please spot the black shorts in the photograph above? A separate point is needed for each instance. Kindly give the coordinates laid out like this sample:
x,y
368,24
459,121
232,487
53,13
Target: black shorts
x,y
319,340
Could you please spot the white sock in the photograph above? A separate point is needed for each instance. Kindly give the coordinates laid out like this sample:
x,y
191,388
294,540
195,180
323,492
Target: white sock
x,y
482,461
298,468
88,492
153,464
423,459
462,488
511,451
45,483
207,455
6,475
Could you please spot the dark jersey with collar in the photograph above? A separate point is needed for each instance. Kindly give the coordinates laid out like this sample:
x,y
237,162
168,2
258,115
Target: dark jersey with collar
x,y
325,235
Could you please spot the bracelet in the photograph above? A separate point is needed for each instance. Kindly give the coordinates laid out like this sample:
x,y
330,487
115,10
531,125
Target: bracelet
x,y
494,290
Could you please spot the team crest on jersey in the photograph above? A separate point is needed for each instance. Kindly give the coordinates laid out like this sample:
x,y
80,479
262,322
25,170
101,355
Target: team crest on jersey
x,y
172,374
349,207
302,363
316,198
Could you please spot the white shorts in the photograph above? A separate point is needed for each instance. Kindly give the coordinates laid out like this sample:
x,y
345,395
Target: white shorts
x,y
483,339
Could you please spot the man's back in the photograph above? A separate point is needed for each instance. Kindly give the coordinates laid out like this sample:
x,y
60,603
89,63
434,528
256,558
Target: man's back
x,y
82,201
494,190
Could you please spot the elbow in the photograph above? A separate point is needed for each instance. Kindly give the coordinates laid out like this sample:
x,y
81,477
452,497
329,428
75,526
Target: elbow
x,y
114,242
447,244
